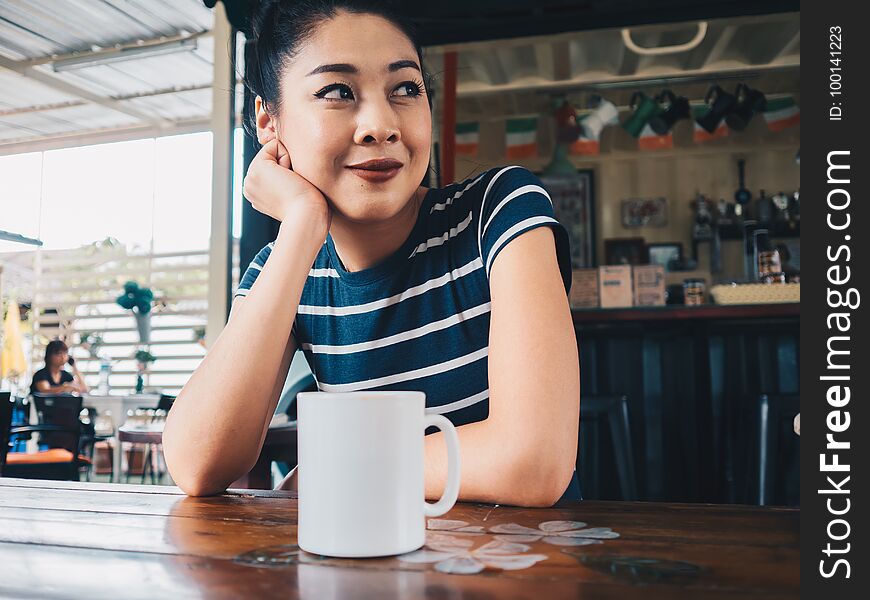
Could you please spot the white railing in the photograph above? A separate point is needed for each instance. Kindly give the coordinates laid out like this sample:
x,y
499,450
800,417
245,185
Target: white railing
x,y
75,293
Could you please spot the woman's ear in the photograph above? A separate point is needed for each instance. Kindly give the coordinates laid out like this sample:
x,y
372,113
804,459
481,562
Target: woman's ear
x,y
265,123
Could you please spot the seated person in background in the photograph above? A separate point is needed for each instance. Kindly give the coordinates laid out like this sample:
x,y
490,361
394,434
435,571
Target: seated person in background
x,y
53,378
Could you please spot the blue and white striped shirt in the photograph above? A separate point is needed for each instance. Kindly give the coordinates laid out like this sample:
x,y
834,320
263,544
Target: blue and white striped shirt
x,y
419,320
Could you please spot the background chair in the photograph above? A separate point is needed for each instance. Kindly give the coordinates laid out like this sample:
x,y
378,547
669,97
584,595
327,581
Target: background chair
x,y
60,433
778,447
6,407
614,409
287,405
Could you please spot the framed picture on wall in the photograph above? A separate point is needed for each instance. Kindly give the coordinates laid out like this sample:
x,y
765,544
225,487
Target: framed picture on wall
x,y
574,206
624,251
644,212
663,254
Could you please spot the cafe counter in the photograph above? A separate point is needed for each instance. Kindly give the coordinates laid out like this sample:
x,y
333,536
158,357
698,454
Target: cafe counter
x,y
693,377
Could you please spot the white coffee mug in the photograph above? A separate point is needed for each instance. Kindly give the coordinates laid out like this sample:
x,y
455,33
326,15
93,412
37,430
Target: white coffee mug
x,y
361,485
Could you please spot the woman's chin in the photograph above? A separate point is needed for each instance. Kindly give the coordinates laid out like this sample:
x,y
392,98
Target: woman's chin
x,y
368,207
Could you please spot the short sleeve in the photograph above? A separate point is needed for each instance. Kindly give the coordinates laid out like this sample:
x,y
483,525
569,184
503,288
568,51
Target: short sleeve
x,y
253,271
514,202
66,377
40,375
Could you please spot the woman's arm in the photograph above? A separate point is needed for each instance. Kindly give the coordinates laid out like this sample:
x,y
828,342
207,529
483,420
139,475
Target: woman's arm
x,y
79,381
43,387
524,452
216,428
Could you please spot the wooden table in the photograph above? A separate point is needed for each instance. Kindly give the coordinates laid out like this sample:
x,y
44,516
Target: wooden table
x,y
91,540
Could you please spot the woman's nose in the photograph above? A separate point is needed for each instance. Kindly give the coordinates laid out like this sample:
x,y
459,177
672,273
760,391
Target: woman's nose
x,y
377,125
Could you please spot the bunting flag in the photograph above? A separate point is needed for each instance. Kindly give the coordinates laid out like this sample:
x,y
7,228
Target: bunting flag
x,y
521,137
700,134
650,140
584,145
467,138
782,113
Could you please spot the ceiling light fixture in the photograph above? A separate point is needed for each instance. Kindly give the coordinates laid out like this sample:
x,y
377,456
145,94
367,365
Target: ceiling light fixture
x,y
108,57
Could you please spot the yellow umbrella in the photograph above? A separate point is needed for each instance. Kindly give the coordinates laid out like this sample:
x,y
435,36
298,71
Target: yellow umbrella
x,y
12,360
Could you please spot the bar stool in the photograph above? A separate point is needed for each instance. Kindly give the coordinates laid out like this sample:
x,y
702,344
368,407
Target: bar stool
x,y
615,410
774,412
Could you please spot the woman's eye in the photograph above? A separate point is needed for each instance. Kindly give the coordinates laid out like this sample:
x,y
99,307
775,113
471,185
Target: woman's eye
x,y
337,91
409,88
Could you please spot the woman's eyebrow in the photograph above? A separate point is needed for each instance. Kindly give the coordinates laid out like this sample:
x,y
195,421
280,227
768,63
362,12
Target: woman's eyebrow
x,y
349,68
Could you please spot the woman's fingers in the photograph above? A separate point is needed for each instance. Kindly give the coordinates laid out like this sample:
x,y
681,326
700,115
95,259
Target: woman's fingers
x,y
284,157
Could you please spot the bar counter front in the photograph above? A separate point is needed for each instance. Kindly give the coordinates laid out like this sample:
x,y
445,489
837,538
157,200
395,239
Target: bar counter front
x,y
698,381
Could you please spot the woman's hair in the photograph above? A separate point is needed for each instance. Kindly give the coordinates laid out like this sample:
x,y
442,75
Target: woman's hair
x,y
55,347
280,27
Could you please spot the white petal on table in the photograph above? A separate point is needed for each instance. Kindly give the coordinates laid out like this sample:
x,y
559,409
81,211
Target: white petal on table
x,y
447,543
469,529
461,565
507,537
500,547
559,540
513,563
444,524
425,556
600,533
554,526
514,529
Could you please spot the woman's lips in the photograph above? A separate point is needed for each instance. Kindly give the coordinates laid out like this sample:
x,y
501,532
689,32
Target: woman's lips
x,y
375,176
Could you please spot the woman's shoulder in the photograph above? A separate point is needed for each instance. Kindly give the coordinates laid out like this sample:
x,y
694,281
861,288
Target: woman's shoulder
x,y
480,186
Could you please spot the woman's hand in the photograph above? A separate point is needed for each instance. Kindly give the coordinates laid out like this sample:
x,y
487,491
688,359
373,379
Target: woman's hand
x,y
274,189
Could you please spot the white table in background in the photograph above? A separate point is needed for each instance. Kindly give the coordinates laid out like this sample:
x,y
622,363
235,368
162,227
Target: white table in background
x,y
118,406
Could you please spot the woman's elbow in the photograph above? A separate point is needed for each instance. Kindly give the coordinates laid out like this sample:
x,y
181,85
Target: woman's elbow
x,y
198,487
539,480
190,480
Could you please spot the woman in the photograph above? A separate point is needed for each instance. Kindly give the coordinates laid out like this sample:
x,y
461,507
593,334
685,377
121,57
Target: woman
x,y
52,378
384,284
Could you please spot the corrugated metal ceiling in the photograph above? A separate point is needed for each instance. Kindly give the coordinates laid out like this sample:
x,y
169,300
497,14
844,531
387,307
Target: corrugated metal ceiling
x,y
171,92
162,92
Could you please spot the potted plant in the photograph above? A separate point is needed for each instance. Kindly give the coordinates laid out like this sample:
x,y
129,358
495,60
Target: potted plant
x,y
199,335
138,300
91,341
143,361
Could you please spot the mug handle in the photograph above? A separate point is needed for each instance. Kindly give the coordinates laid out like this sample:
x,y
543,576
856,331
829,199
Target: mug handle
x,y
451,490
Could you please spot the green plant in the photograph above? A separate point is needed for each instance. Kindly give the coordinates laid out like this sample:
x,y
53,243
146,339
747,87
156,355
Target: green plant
x,y
144,357
136,298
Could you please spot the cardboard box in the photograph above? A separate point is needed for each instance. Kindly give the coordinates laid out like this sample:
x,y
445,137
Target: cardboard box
x,y
584,288
649,285
614,286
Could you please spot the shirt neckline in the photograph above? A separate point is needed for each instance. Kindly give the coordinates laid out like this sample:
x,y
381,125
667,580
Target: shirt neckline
x,y
391,263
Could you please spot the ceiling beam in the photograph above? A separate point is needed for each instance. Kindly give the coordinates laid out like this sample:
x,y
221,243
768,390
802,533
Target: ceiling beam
x,y
467,90
105,136
791,47
113,51
700,58
66,87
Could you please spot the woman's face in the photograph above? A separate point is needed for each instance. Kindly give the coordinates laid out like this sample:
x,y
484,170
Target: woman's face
x,y
354,93
58,359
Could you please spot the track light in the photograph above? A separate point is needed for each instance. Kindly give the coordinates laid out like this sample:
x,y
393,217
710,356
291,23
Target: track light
x,y
123,54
